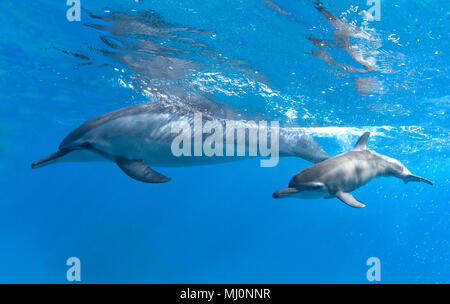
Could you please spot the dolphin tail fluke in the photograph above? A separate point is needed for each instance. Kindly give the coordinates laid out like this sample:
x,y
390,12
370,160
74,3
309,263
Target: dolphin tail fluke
x,y
322,155
49,159
139,170
313,153
284,192
415,178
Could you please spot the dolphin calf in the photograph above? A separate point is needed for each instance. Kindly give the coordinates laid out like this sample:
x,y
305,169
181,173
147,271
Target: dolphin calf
x,y
141,136
340,175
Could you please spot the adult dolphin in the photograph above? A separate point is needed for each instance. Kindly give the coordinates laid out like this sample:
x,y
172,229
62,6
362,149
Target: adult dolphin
x,y
140,136
340,175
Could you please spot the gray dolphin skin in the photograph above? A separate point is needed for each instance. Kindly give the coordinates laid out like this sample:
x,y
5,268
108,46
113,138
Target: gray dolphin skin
x,y
340,175
140,136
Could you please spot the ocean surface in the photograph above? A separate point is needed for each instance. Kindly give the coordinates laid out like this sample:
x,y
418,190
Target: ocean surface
x,y
334,69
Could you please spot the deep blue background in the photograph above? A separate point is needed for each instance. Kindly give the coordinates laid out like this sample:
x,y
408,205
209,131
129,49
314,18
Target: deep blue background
x,y
219,224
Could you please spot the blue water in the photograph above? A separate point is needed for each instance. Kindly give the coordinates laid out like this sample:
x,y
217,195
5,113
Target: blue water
x,y
279,60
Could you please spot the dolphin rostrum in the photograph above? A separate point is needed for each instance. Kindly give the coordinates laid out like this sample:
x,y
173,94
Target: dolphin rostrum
x,y
340,175
140,136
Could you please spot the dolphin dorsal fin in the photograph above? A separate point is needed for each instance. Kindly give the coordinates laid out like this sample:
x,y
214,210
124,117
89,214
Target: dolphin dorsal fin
x,y
362,142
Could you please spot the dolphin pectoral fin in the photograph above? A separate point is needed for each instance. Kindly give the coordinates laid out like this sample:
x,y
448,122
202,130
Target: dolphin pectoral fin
x,y
140,171
349,199
284,192
415,178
